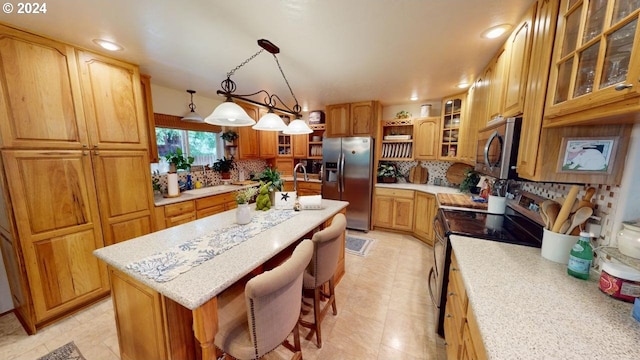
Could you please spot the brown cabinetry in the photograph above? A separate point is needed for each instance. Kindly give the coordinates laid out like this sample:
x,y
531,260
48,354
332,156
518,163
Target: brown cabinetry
x,y
248,139
594,72
58,226
215,204
518,51
462,337
426,135
72,187
179,213
425,207
304,187
494,78
354,119
452,111
393,209
41,101
396,140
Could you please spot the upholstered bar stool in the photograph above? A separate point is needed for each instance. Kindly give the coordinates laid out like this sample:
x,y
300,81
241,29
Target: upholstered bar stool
x,y
326,252
270,311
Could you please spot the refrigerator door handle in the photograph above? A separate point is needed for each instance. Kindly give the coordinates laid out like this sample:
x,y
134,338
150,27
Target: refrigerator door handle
x,y
341,174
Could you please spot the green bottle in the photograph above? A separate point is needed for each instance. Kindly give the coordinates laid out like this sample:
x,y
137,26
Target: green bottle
x,y
581,257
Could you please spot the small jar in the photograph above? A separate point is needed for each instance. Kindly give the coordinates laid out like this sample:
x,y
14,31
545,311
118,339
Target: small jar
x,y
629,239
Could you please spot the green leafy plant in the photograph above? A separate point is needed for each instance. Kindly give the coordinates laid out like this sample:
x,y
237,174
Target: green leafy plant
x,y
471,179
245,195
178,161
223,165
388,170
229,135
403,115
271,175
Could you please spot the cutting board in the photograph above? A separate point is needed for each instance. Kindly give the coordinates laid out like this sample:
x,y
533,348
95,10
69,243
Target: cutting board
x,y
245,182
418,174
460,200
455,173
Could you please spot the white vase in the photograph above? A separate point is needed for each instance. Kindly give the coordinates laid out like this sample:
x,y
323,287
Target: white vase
x,y
243,214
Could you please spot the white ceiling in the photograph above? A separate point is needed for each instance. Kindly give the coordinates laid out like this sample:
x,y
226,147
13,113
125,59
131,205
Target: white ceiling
x,y
332,51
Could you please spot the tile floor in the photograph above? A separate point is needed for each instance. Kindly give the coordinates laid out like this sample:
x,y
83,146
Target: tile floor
x,y
384,312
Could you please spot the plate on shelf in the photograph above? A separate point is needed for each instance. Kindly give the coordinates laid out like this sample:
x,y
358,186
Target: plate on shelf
x,y
397,137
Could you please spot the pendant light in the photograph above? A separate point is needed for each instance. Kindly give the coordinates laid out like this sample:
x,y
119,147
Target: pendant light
x,y
192,115
297,127
231,114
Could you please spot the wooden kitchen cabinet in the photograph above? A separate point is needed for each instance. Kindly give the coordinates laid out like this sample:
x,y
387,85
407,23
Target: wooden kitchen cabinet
x,y
595,64
113,103
125,204
425,138
74,145
58,227
396,140
305,188
41,96
451,122
462,336
540,61
145,81
494,77
393,209
300,144
354,119
248,138
179,213
425,207
215,204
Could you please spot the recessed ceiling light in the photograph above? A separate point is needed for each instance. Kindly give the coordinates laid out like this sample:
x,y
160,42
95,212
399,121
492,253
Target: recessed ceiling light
x,y
108,45
463,85
414,97
496,31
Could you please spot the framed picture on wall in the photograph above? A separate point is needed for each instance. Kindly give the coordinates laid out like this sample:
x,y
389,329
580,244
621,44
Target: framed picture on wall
x,y
587,155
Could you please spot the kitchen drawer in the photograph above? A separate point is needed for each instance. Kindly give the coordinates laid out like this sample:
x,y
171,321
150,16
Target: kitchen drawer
x,y
395,193
455,278
180,219
216,209
215,200
179,208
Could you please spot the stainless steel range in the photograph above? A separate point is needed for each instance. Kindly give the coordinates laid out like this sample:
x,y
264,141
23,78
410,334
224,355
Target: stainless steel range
x,y
518,225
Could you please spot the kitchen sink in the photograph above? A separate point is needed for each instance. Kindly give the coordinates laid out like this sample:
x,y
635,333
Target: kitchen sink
x,y
212,189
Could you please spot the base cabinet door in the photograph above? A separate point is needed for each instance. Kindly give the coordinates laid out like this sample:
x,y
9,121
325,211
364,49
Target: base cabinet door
x,y
424,211
383,211
58,224
393,209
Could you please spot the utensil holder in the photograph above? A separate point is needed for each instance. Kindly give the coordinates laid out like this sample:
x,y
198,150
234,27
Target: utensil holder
x,y
556,247
497,204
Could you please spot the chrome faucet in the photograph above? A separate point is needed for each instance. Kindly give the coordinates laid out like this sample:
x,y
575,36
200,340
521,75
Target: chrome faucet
x,y
295,175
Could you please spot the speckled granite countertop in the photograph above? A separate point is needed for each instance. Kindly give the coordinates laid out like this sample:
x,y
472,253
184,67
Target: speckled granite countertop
x,y
527,307
312,179
203,282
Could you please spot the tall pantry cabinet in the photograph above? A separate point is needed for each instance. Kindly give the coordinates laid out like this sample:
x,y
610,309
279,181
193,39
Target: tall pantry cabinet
x,y
75,172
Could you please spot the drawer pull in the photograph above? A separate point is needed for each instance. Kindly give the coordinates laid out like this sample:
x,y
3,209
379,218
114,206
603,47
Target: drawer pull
x,y
451,293
449,316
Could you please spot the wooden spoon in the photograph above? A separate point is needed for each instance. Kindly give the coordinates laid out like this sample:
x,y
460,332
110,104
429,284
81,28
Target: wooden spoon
x,y
579,218
564,227
544,213
552,213
586,200
545,219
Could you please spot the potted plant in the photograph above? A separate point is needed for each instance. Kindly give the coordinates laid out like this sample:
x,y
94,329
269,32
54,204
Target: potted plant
x,y
243,213
388,173
273,176
178,161
470,181
229,136
224,167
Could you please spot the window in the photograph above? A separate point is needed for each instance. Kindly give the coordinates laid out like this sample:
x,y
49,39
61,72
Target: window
x,y
204,146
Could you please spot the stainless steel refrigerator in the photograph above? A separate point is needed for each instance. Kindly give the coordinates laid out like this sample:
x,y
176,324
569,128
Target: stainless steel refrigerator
x,y
348,176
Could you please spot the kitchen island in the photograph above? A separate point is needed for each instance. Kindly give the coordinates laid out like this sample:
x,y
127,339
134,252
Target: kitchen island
x,y
177,319
527,307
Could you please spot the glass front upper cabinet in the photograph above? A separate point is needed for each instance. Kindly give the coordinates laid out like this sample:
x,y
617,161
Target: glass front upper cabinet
x,y
595,52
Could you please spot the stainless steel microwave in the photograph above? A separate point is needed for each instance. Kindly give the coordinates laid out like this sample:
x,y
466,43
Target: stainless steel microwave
x,y
497,150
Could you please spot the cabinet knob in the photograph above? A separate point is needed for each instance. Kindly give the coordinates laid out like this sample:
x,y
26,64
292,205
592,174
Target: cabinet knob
x,y
449,315
84,146
451,293
454,268
621,87
96,152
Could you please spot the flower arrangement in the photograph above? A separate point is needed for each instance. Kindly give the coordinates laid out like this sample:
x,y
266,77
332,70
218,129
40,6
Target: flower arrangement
x,y
244,196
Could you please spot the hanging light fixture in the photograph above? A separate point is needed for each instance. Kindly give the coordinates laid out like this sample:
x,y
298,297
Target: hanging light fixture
x,y
192,115
231,114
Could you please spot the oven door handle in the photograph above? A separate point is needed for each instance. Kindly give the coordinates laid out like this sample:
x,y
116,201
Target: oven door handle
x,y
487,162
432,277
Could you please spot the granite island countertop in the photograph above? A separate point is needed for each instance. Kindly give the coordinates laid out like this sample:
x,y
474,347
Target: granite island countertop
x,y
201,283
527,307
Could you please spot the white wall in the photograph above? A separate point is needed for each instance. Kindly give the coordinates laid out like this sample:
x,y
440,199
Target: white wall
x,y
628,207
389,112
176,102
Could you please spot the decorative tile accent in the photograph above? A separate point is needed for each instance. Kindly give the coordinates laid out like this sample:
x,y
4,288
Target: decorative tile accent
x,y
210,177
437,170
